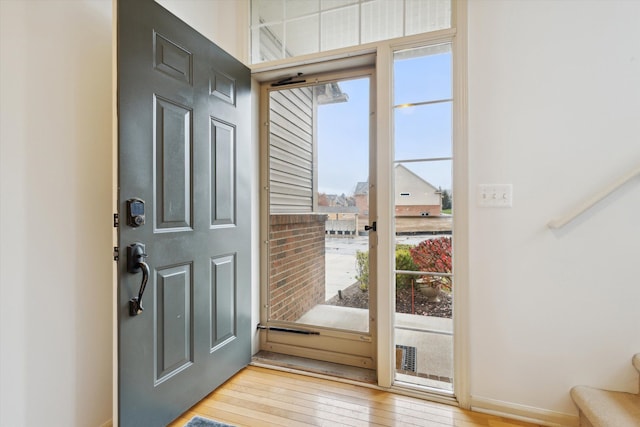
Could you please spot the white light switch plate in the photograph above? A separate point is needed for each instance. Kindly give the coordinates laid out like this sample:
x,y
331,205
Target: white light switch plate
x,y
495,195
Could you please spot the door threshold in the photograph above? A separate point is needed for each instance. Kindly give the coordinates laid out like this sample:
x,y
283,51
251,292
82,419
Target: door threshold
x,y
318,368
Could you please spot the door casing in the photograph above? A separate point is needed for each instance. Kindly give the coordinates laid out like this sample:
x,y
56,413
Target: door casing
x,y
381,54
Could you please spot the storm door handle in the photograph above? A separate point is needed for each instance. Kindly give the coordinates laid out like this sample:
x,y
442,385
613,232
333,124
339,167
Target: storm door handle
x,y
135,263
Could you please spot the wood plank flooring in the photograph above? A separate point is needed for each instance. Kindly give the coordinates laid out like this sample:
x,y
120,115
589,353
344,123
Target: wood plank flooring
x,y
265,397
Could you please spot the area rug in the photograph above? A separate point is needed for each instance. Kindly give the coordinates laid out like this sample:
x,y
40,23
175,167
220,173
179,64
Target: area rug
x,y
203,422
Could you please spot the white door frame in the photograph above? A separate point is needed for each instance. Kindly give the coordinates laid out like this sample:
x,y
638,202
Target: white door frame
x,y
383,51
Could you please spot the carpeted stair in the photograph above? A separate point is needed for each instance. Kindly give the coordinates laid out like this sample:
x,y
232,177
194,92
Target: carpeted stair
x,y
604,408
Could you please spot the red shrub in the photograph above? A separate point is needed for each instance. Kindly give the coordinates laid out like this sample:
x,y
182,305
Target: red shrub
x,y
434,255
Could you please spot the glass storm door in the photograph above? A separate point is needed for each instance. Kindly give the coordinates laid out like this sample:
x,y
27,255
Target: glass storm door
x,y
318,209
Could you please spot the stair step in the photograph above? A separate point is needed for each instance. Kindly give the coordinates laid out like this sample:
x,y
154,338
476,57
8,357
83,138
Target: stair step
x,y
605,408
636,361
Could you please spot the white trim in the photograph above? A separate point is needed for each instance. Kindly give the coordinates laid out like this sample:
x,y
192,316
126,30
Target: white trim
x,y
461,322
523,413
243,36
257,70
114,200
385,313
317,375
419,393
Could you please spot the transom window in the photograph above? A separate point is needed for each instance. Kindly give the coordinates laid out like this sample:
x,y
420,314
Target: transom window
x,y
287,28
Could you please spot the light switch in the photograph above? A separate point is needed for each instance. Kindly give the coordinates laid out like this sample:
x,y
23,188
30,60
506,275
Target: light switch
x,y
495,195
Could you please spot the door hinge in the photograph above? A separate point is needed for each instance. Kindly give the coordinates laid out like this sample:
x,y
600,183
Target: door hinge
x,y
116,220
116,253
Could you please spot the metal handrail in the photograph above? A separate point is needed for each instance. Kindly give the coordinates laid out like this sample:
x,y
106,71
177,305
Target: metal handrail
x,y
428,331
423,273
587,204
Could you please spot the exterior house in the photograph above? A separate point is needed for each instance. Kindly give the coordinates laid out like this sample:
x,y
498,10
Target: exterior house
x,y
541,321
341,220
361,195
414,195
418,204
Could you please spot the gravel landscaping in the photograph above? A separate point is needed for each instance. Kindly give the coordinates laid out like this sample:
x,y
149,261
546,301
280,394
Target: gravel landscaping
x,y
354,297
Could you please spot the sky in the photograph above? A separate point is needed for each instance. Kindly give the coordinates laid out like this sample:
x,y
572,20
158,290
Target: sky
x,y
421,132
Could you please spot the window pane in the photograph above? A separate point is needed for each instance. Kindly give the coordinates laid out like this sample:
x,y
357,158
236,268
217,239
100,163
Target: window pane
x,y
422,75
381,20
340,28
434,174
268,39
296,8
318,204
343,135
330,4
424,302
266,11
422,16
423,132
303,36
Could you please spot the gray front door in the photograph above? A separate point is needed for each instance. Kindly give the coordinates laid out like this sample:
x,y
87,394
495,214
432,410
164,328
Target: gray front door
x,y
183,124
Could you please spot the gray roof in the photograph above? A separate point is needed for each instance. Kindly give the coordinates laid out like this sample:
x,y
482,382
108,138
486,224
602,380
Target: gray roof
x,y
362,188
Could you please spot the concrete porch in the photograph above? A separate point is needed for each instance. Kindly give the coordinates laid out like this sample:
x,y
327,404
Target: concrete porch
x,y
432,338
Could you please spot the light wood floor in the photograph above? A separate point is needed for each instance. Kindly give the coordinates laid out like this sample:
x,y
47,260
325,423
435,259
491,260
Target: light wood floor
x,y
265,397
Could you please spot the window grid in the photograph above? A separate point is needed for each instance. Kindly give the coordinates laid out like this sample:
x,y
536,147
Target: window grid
x,y
404,54
271,18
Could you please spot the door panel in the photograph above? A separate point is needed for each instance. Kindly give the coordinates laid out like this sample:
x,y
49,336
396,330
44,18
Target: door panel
x,y
223,155
172,174
174,331
183,121
223,293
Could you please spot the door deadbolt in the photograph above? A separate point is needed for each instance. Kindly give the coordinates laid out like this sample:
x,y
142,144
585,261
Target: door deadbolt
x,y
135,212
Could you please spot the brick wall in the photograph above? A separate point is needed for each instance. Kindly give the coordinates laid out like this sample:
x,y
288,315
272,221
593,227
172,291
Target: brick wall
x,y
297,269
362,203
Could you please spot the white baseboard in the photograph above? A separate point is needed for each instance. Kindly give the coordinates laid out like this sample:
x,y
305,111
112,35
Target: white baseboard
x,y
107,424
523,413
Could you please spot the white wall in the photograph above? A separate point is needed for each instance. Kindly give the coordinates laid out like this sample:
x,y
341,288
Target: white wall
x,y
554,109
55,182
225,22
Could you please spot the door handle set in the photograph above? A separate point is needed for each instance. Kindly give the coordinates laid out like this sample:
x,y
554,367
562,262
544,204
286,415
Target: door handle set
x,y
135,264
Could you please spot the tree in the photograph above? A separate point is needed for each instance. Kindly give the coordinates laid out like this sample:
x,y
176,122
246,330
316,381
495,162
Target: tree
x,y
446,199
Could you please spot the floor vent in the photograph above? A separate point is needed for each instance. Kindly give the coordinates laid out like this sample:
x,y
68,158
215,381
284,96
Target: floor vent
x,y
408,360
